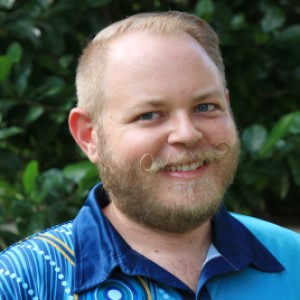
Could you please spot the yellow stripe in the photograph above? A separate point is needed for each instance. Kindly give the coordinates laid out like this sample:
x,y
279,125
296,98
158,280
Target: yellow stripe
x,y
59,241
144,284
58,248
76,297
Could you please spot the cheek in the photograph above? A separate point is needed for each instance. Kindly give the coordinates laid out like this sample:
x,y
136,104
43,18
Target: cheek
x,y
133,144
223,130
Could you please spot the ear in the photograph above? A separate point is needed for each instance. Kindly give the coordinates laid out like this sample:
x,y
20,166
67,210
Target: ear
x,y
83,131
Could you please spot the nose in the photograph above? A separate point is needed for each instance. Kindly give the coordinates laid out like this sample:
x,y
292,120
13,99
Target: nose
x,y
184,131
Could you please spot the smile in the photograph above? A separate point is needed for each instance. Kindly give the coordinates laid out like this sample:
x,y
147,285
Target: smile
x,y
185,167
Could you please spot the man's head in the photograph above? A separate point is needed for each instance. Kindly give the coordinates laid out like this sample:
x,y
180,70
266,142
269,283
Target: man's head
x,y
164,140
91,68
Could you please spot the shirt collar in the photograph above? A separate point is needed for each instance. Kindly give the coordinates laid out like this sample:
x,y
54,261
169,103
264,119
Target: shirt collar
x,y
239,246
99,249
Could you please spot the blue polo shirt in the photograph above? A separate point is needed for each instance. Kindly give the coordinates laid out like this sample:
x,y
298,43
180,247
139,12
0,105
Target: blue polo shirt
x,y
88,259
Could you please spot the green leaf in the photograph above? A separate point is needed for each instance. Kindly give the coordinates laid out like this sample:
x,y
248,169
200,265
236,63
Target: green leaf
x,y
36,223
14,53
44,3
29,177
284,185
9,132
33,114
7,104
65,61
5,66
273,19
254,137
23,78
79,171
58,117
238,22
23,29
52,184
289,35
6,3
261,38
205,9
4,187
279,131
53,87
295,127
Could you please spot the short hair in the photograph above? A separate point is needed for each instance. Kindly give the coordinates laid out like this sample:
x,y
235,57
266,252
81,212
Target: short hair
x,y
91,67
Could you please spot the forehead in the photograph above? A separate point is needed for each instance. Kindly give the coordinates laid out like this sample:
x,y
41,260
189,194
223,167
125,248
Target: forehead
x,y
146,45
157,65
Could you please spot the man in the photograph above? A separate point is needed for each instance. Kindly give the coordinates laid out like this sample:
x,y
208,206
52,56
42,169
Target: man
x,y
154,115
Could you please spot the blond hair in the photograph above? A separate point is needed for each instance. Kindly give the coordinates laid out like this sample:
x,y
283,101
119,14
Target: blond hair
x,y
90,92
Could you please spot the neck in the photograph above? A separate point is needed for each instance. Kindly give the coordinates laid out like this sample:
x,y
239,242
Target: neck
x,y
180,254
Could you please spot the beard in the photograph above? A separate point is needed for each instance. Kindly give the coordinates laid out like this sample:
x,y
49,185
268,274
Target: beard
x,y
173,207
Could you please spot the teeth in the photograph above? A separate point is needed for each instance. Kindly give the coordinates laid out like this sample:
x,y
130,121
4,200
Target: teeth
x,y
184,168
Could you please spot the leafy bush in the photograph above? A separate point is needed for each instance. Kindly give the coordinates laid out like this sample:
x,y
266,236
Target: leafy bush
x,y
43,175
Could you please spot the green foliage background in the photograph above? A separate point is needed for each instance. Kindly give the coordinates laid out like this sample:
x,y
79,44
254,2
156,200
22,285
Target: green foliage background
x,y
44,178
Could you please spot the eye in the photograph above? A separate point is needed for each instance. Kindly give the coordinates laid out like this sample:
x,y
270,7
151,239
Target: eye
x,y
149,116
205,107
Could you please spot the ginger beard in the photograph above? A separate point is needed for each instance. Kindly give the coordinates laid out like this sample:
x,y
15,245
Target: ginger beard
x,y
176,207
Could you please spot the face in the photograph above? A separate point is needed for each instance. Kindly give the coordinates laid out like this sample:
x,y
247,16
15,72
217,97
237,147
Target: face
x,y
165,103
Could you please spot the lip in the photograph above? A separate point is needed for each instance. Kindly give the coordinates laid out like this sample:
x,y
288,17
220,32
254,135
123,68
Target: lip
x,y
186,167
192,174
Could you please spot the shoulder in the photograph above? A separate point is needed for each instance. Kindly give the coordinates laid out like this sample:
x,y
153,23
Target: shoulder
x,y
25,265
264,227
280,241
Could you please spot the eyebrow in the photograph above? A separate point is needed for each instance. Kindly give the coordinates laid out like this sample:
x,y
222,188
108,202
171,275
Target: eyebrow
x,y
209,94
159,102
151,102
